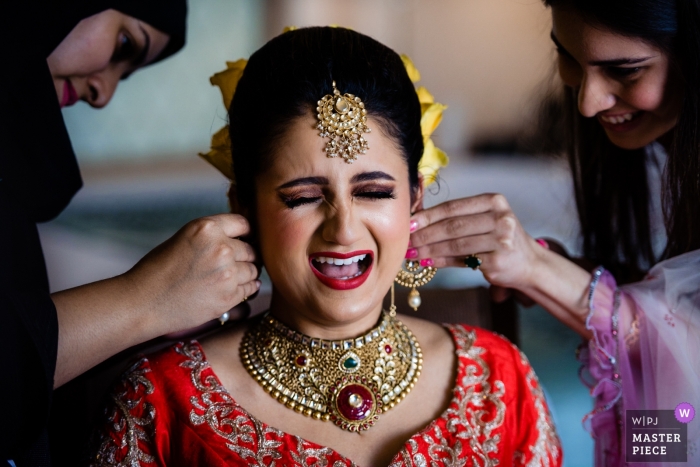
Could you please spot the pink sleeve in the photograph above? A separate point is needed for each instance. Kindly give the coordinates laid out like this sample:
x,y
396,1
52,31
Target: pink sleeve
x,y
600,371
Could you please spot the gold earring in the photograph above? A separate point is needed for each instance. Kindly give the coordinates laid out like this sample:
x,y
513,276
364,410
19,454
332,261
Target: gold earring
x,y
392,308
409,276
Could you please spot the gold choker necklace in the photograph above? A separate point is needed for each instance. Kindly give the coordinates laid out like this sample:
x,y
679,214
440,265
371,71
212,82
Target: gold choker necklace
x,y
350,382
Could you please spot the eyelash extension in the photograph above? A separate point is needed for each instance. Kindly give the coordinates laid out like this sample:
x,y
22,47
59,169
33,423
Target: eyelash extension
x,y
292,203
387,194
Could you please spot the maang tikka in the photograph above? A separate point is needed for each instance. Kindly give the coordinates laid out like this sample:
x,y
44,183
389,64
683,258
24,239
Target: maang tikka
x,y
343,119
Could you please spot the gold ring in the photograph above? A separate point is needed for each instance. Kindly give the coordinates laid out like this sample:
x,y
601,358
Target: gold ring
x,y
472,261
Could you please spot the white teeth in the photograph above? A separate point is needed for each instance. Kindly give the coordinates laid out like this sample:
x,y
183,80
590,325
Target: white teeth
x,y
617,119
339,261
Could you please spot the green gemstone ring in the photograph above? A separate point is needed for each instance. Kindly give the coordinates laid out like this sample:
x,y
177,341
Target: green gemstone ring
x,y
472,261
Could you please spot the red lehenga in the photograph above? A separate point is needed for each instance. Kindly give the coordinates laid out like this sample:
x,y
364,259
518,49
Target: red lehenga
x,y
170,409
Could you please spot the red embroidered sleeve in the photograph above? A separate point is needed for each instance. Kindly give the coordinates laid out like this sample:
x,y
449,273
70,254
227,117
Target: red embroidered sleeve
x,y
127,436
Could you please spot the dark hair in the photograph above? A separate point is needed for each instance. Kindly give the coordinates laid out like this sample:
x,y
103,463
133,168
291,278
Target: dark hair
x,y
287,77
611,185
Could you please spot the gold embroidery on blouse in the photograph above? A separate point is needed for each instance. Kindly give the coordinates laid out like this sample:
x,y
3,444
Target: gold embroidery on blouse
x,y
132,429
547,444
245,435
476,411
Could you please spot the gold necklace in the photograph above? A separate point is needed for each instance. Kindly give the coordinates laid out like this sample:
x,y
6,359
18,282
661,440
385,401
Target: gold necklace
x,y
350,382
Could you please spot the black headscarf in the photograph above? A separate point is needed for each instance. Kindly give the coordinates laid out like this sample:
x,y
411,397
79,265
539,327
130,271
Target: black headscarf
x,y
37,164
38,177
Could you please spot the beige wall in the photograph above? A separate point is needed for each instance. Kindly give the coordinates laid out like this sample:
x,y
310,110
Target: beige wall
x,y
484,58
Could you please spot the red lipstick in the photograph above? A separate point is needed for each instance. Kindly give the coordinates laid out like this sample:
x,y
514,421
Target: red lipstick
x,y
342,284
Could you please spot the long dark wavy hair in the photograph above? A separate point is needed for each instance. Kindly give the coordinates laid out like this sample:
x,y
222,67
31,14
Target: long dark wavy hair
x,y
611,186
285,79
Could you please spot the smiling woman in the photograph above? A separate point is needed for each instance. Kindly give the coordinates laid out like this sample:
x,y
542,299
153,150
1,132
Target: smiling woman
x,y
327,377
101,50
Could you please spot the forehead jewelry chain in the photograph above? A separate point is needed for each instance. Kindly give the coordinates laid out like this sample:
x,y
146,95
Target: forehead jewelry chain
x,y
349,382
343,119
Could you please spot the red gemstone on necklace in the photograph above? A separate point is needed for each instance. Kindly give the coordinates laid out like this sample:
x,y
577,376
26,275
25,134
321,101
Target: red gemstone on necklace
x,y
301,360
355,402
387,349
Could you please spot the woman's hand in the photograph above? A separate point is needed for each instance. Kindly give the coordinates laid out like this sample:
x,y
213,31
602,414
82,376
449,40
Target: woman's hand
x,y
484,226
194,277
199,273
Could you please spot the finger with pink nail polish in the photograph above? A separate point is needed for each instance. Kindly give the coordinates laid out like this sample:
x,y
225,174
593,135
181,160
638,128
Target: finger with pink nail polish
x,y
411,253
427,262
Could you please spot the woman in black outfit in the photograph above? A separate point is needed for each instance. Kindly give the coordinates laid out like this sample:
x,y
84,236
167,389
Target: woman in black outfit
x,y
56,53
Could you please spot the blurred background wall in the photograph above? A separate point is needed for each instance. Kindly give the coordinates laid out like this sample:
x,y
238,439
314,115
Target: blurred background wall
x,y
485,58
488,60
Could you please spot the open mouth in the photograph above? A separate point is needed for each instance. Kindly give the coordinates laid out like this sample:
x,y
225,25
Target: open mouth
x,y
621,122
342,271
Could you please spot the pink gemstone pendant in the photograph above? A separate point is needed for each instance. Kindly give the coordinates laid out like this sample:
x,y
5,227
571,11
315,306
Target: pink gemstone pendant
x,y
356,405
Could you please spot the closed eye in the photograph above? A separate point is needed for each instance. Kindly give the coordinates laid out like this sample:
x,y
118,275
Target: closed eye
x,y
375,194
294,202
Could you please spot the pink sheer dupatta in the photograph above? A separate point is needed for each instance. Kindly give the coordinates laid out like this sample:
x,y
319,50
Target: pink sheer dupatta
x,y
645,351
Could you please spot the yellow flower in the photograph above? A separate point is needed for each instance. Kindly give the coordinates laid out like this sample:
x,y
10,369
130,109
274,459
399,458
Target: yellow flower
x,y
424,97
220,153
227,80
432,161
431,118
413,72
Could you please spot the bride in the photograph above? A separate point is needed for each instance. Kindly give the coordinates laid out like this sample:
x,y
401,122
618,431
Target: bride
x,y
325,138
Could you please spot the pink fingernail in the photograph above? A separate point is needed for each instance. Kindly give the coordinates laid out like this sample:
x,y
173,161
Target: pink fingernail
x,y
427,262
543,243
411,253
414,226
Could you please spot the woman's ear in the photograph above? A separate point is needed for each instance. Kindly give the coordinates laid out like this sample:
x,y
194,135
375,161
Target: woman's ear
x,y
417,202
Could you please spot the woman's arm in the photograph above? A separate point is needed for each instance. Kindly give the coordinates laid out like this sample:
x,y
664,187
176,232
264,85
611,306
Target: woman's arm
x,y
486,226
195,276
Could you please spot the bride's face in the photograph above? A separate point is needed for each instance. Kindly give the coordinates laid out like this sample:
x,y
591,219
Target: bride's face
x,y
315,212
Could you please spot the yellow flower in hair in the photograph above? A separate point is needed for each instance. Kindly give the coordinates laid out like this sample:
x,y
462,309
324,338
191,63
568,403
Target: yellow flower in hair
x,y
433,158
432,161
431,118
413,73
220,153
228,79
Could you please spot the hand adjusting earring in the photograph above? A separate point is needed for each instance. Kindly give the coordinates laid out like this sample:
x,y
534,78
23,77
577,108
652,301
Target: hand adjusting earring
x,y
409,276
343,119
